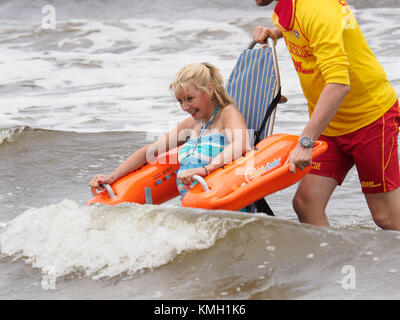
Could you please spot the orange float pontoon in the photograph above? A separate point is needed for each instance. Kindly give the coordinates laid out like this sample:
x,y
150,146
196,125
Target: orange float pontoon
x,y
259,172
155,180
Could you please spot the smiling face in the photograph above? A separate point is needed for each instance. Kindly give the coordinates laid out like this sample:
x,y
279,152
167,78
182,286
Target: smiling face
x,y
197,103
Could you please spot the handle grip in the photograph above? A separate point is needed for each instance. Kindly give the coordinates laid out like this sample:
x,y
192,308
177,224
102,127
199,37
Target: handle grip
x,y
202,182
107,187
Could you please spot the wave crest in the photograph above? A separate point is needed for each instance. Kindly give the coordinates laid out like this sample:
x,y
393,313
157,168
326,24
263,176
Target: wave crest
x,y
104,242
10,134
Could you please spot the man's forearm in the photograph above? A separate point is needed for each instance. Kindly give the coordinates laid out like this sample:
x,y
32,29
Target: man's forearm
x,y
329,102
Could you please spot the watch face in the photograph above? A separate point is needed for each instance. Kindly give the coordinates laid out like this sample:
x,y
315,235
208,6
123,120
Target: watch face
x,y
306,142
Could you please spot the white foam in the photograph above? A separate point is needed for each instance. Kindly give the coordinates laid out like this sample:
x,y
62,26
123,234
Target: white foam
x,y
270,248
108,241
112,76
104,76
9,135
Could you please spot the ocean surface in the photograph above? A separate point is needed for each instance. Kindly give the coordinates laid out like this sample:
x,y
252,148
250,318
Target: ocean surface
x,y
83,84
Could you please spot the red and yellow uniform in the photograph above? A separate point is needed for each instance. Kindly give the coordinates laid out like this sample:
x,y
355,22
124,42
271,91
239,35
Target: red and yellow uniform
x,y
327,46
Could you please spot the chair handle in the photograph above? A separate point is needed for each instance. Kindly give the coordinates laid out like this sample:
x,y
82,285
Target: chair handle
x,y
108,188
269,43
202,182
252,45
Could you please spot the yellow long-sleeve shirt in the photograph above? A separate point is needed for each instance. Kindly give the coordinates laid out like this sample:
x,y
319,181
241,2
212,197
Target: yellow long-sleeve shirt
x,y
327,46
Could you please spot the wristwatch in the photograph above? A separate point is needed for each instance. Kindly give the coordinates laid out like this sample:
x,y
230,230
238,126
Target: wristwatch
x,y
306,142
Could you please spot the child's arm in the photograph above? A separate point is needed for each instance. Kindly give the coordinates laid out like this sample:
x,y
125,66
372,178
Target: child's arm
x,y
146,154
236,131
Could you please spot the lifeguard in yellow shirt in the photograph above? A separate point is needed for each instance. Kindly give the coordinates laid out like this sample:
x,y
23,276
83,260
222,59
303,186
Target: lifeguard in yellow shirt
x,y
352,107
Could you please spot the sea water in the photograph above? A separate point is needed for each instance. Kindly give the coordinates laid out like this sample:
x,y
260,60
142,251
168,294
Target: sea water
x,y
83,85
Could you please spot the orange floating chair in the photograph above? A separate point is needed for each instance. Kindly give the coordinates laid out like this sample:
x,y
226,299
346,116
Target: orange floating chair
x,y
255,85
260,172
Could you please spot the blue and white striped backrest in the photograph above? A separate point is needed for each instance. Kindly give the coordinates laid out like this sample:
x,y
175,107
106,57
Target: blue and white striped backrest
x,y
252,84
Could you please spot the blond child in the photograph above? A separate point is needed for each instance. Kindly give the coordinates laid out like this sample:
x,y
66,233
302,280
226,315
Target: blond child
x,y
209,136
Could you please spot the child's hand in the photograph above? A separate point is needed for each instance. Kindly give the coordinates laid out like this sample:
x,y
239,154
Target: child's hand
x,y
186,176
99,179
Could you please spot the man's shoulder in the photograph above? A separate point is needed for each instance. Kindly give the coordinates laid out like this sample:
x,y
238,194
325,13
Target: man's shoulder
x,y
318,9
311,5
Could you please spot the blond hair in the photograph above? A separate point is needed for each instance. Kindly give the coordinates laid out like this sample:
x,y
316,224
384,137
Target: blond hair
x,y
200,75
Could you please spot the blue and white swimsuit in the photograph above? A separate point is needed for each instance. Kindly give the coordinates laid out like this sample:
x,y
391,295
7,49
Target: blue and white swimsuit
x,y
198,152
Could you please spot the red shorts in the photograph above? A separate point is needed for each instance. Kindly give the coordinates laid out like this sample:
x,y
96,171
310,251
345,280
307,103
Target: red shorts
x,y
373,149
